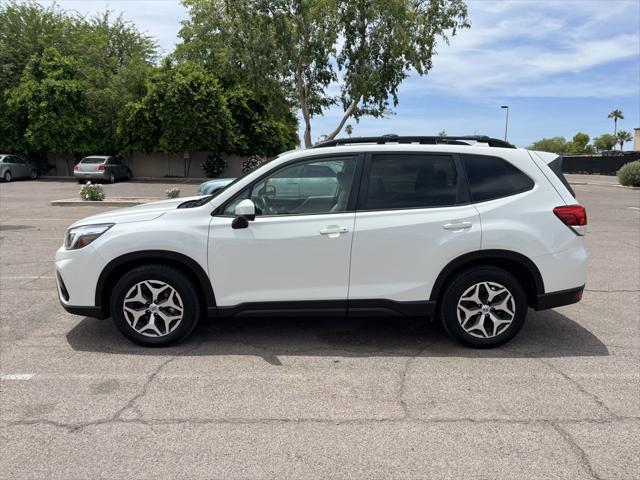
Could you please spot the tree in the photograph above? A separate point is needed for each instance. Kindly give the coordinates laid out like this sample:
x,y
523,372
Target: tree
x,y
50,104
605,141
184,109
616,115
622,137
579,144
554,145
348,129
256,130
366,47
106,56
442,133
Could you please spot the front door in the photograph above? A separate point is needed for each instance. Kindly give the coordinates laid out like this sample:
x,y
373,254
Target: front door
x,y
297,248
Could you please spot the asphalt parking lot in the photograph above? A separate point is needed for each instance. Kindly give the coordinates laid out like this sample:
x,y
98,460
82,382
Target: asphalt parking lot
x,y
297,398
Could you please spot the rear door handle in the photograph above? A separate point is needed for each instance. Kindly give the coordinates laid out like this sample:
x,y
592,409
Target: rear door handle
x,y
333,231
457,226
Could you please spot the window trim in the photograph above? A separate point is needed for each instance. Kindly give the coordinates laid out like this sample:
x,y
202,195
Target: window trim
x,y
462,164
462,194
355,183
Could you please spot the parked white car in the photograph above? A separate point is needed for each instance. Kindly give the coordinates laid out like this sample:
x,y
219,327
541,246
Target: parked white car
x,y
469,233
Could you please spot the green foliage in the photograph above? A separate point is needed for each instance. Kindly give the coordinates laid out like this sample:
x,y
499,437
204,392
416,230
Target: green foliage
x,y
92,192
579,144
64,79
629,174
251,163
605,141
367,46
214,165
622,137
616,115
256,129
184,109
554,145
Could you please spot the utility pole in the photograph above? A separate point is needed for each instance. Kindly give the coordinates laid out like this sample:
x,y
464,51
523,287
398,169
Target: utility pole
x,y
506,123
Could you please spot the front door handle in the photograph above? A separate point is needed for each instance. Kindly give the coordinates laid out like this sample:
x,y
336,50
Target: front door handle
x,y
457,226
333,231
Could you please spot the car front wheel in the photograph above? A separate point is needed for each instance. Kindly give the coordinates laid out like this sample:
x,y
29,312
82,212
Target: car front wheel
x,y
483,307
7,176
155,305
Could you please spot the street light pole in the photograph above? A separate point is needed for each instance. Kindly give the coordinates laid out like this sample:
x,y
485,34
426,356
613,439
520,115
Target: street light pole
x,y
506,123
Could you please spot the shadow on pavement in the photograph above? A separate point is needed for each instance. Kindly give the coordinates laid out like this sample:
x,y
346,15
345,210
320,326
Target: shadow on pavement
x,y
545,334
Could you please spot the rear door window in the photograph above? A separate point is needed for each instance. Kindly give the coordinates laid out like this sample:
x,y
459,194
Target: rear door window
x,y
493,177
400,181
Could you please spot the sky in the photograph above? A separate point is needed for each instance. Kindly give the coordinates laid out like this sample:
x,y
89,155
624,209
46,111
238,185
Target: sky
x,y
560,65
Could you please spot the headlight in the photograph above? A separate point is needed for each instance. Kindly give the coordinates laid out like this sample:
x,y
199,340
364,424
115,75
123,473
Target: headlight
x,y
78,237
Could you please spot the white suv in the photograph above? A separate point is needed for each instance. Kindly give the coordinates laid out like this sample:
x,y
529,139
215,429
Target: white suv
x,y
469,230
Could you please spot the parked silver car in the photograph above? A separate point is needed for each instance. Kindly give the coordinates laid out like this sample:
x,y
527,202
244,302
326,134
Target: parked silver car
x,y
101,168
13,167
212,186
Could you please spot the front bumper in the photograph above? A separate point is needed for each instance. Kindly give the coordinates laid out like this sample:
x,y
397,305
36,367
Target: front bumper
x,y
77,273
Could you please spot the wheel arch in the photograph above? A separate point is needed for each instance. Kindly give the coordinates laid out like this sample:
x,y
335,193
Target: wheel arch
x,y
515,263
117,267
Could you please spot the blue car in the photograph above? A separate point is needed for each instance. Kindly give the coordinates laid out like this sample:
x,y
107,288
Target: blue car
x,y
212,186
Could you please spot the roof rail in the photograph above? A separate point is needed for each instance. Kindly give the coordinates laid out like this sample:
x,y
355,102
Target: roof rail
x,y
392,138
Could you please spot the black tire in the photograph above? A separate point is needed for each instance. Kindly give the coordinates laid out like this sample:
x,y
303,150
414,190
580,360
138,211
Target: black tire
x,y
464,281
112,178
8,176
80,181
173,278
34,174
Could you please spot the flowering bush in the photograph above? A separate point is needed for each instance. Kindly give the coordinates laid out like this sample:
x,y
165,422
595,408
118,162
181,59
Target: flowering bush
x,y
251,163
214,165
173,192
92,192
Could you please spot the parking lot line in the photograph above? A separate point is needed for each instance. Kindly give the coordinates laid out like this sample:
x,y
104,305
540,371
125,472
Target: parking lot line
x,y
16,376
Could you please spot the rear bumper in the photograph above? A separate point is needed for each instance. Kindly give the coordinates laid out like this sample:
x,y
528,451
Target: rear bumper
x,y
91,175
557,299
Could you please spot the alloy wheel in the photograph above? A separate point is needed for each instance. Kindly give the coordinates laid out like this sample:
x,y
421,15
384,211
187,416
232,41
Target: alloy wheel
x,y
153,308
486,309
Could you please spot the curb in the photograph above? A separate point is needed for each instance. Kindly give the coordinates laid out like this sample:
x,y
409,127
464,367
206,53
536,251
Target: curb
x,y
605,184
177,180
123,202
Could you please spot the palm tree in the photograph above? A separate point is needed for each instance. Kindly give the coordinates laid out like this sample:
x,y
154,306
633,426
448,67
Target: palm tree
x,y
623,136
616,115
349,130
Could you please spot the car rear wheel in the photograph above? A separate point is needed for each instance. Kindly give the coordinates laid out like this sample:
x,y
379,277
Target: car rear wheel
x,y
7,176
34,174
155,305
112,178
483,307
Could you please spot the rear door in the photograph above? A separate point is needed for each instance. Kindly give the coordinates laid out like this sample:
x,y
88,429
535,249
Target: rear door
x,y
413,217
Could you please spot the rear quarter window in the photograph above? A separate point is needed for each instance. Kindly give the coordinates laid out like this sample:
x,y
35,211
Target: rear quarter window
x,y
493,177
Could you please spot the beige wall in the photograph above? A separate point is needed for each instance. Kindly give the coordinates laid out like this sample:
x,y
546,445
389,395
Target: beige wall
x,y
636,139
156,165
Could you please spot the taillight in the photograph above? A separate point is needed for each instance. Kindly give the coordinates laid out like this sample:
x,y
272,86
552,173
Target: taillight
x,y
102,168
573,216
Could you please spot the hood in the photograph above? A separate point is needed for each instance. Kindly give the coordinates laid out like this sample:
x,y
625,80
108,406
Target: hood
x,y
138,213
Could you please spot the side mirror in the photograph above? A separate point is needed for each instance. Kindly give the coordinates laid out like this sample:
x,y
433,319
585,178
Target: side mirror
x,y
245,211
